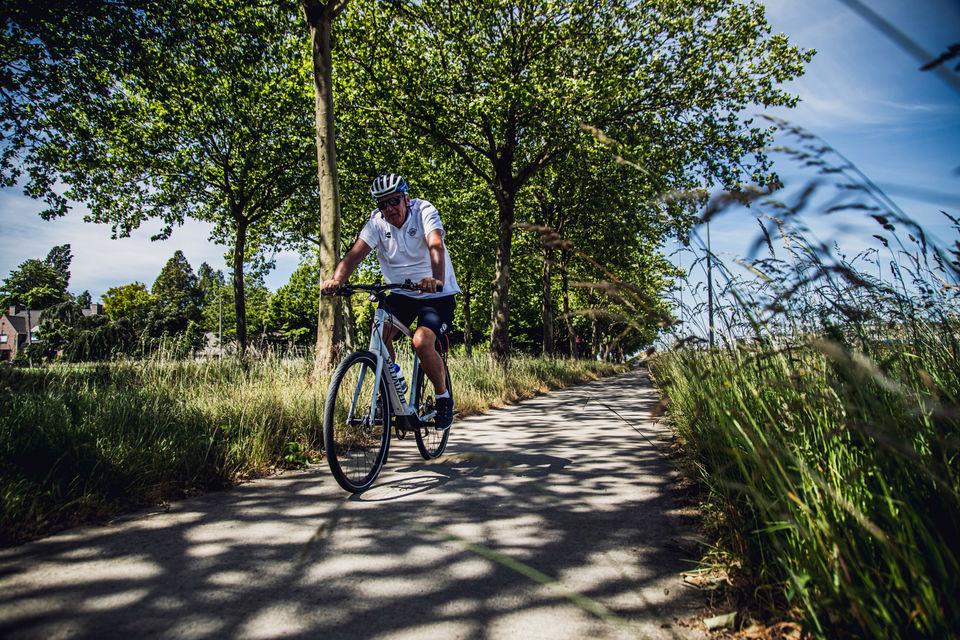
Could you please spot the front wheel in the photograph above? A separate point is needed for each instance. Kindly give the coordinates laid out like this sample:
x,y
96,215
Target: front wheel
x,y
356,422
430,441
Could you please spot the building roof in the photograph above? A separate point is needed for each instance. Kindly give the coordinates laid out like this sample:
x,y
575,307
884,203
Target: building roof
x,y
18,320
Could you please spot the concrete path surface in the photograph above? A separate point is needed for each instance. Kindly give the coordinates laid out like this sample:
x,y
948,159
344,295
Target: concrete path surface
x,y
552,518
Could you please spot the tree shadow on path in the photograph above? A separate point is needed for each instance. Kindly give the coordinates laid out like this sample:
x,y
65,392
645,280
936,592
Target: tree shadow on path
x,y
552,518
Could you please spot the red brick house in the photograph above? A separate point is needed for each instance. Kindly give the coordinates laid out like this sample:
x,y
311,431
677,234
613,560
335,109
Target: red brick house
x,y
18,329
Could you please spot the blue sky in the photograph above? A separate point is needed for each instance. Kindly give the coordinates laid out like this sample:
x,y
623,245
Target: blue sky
x,y
865,96
862,94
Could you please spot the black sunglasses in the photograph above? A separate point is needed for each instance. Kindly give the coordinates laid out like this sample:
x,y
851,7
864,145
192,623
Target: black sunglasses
x,y
390,202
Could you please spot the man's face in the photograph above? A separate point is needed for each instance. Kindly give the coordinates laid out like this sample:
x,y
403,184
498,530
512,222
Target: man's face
x,y
394,208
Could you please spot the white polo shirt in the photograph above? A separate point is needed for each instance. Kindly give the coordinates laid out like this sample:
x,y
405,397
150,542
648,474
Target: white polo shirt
x,y
403,253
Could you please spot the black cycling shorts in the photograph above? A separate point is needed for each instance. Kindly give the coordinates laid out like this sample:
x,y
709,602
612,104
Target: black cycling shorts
x,y
434,313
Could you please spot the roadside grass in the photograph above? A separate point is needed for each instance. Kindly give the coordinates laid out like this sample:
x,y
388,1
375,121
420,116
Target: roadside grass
x,y
85,442
824,428
835,482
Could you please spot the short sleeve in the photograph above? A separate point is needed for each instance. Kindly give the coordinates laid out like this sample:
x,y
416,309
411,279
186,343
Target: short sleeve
x,y
369,233
430,218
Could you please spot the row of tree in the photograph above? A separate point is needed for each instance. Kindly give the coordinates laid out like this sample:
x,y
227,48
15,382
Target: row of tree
x,y
498,112
182,308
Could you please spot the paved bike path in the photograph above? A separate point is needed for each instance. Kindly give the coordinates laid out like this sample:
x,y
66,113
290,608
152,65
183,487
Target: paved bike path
x,y
553,518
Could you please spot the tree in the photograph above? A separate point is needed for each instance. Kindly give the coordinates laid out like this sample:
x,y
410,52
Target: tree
x,y
79,338
213,125
293,308
84,300
35,285
131,301
177,296
505,87
257,320
211,284
320,17
60,258
61,57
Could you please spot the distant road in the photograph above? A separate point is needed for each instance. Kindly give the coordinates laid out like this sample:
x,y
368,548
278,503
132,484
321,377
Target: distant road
x,y
552,518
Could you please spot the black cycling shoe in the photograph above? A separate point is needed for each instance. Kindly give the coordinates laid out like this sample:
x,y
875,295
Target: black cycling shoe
x,y
444,413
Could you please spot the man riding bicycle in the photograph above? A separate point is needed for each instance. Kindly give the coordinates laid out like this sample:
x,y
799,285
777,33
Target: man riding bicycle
x,y
408,236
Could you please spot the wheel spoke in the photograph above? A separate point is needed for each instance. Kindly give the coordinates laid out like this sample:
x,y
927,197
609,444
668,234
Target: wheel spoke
x,y
356,434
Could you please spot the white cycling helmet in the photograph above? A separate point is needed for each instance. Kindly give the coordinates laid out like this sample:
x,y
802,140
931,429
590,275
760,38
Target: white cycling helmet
x,y
387,184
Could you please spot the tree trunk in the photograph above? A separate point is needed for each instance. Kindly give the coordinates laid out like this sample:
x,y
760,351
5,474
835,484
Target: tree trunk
x,y
330,317
500,305
565,294
239,293
467,326
548,346
349,327
594,327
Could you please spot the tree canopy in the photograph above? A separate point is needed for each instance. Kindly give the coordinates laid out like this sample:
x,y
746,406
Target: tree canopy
x,y
498,112
215,125
505,88
38,284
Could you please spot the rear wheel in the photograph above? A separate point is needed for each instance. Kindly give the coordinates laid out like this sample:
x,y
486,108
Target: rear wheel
x,y
430,441
356,438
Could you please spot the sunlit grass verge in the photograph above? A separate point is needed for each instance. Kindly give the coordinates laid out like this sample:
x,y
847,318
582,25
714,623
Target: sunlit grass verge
x,y
833,471
80,443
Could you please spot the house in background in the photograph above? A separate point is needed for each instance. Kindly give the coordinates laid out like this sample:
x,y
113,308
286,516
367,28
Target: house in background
x,y
18,329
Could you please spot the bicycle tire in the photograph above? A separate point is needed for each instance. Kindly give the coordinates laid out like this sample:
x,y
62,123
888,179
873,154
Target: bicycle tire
x,y
430,441
356,447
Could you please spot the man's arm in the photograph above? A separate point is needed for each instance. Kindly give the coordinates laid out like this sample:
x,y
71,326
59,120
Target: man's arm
x,y
347,265
438,256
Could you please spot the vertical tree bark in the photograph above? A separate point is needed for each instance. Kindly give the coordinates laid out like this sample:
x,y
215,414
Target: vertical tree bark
x,y
594,327
239,295
320,17
467,325
500,305
565,294
349,327
548,346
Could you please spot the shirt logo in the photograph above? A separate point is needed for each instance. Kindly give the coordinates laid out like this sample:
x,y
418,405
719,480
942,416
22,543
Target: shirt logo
x,y
388,235
412,232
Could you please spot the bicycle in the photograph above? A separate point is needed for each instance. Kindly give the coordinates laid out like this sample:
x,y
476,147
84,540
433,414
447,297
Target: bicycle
x,y
366,400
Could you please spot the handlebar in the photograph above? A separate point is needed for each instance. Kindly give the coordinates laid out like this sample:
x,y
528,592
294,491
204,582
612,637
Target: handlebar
x,y
350,289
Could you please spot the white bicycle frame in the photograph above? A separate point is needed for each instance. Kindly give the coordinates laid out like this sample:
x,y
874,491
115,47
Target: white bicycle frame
x,y
398,404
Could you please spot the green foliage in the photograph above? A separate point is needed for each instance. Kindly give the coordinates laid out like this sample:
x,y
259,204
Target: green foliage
x,y
35,285
293,308
478,85
65,328
216,124
60,258
256,313
177,298
131,301
56,60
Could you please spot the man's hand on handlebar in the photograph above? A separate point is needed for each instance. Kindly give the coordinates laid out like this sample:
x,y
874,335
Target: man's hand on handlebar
x,y
330,286
335,286
430,285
